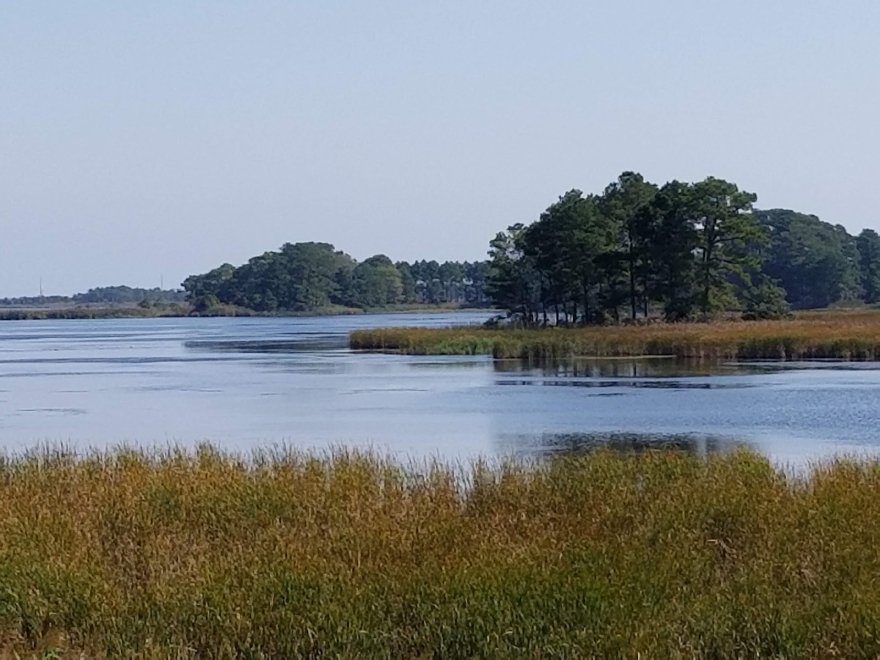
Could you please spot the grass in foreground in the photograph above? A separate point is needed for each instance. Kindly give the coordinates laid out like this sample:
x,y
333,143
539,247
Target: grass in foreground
x,y
848,335
204,555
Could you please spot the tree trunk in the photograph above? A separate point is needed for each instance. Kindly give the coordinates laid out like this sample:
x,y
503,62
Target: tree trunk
x,y
707,265
632,285
586,291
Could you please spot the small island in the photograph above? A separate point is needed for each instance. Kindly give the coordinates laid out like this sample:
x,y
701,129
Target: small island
x,y
682,270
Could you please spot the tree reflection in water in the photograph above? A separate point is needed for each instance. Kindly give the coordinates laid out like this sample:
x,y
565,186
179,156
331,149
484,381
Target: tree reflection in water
x,y
574,443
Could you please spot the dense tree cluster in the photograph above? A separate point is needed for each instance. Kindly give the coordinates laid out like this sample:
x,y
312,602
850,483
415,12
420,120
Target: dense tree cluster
x,y
309,277
815,262
868,247
677,251
636,251
31,301
123,295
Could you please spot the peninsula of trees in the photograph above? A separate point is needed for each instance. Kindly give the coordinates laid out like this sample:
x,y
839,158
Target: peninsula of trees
x,y
316,277
681,251
678,251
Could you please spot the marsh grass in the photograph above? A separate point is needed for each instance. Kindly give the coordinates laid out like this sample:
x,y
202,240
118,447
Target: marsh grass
x,y
848,335
203,554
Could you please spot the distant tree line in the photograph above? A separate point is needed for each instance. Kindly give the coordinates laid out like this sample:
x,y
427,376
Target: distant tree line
x,y
819,264
105,295
678,251
310,277
126,295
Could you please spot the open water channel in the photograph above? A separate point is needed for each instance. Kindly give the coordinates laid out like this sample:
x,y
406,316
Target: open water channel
x,y
243,383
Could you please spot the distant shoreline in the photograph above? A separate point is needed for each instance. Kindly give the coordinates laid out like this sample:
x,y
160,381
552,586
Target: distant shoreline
x,y
85,312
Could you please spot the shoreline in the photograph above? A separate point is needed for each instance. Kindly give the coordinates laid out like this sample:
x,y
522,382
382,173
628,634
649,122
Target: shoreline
x,y
845,335
127,312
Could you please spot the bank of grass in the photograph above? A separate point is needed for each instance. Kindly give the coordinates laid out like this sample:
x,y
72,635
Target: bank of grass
x,y
291,555
849,335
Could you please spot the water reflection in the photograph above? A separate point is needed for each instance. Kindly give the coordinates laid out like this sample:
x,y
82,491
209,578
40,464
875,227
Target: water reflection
x,y
578,443
647,384
625,368
301,344
668,367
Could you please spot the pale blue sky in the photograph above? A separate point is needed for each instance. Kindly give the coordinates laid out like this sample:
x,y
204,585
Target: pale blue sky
x,y
162,138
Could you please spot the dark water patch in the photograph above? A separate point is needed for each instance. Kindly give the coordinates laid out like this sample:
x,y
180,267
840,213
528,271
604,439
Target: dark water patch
x,y
53,411
575,443
645,384
626,368
448,366
175,388
372,390
310,369
42,374
116,360
764,366
83,337
670,367
307,344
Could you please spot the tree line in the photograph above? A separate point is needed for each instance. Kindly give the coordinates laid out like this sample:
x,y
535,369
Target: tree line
x,y
637,250
103,295
817,263
311,277
678,251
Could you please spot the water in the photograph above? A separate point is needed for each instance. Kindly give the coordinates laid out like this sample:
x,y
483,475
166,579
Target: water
x,y
246,383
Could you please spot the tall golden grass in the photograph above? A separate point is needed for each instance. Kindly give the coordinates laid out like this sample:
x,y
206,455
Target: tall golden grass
x,y
289,555
853,335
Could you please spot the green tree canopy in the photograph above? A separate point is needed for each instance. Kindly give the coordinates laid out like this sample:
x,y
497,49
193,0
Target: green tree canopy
x,y
376,282
682,248
727,233
868,245
815,262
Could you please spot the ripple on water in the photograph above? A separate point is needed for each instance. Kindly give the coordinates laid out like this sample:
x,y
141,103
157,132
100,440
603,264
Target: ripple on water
x,y
52,411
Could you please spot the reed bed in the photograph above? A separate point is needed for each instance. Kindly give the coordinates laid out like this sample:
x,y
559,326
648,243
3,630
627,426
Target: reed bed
x,y
203,554
837,335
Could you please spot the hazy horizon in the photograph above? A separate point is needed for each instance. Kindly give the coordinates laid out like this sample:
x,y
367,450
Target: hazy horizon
x,y
160,140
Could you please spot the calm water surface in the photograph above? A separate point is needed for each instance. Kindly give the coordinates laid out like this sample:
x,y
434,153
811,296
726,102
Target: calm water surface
x,y
246,383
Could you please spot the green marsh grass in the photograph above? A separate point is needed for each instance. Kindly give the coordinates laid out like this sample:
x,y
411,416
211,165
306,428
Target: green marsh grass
x,y
849,335
203,554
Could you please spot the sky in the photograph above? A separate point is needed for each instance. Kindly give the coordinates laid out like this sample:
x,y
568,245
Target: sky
x,y
141,142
